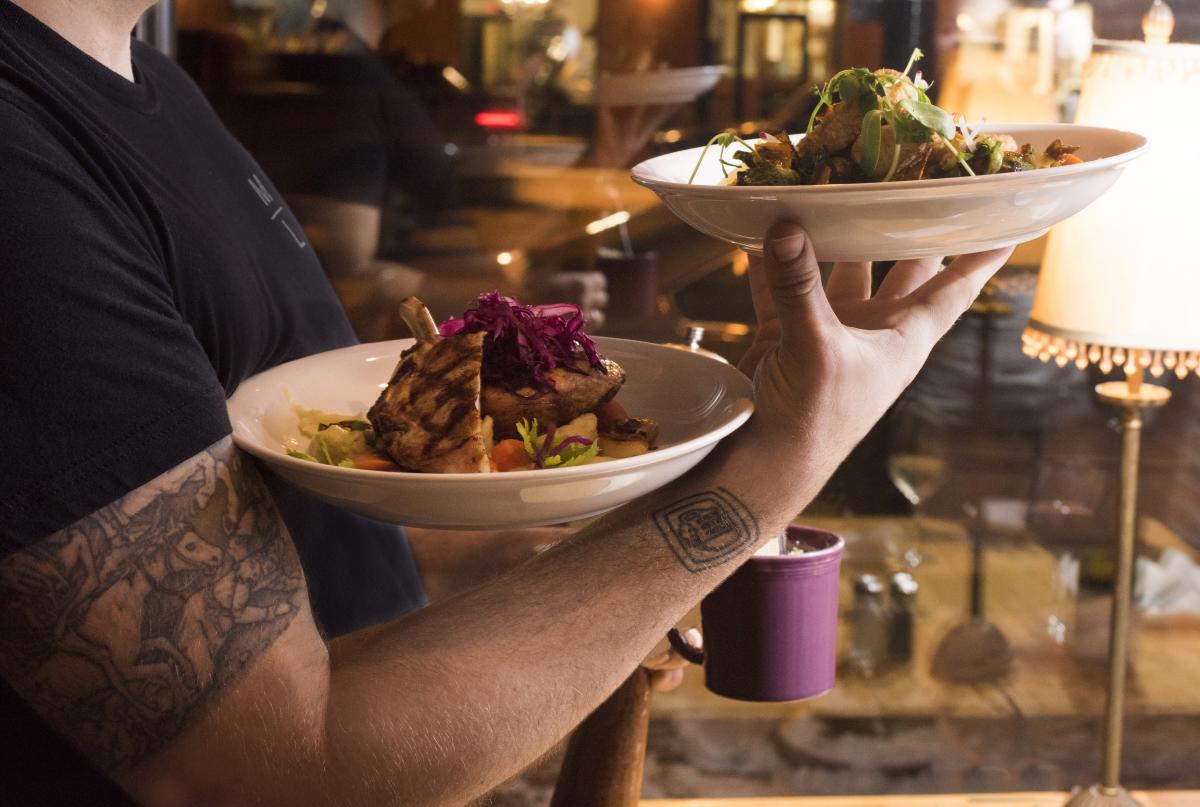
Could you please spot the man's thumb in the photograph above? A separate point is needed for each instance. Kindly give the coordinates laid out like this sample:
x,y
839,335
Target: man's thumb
x,y
794,278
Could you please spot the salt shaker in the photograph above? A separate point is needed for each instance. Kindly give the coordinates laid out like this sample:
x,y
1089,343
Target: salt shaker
x,y
869,626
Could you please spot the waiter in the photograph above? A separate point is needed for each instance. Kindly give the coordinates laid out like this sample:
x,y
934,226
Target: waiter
x,y
157,591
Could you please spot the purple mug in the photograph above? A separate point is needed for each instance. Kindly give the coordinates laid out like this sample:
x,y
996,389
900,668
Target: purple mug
x,y
770,630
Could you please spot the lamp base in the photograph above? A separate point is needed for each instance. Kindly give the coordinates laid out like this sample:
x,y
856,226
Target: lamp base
x,y
1097,796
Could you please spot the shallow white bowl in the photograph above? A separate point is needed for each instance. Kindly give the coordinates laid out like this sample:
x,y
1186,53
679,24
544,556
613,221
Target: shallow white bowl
x,y
672,85
894,220
695,400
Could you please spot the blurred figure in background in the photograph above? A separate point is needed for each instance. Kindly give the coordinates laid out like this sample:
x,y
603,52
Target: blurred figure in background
x,y
350,141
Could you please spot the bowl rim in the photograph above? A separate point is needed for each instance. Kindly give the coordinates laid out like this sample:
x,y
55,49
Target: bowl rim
x,y
743,408
1139,145
668,72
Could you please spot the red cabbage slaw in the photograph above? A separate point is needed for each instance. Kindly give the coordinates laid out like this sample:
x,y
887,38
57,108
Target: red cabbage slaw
x,y
525,342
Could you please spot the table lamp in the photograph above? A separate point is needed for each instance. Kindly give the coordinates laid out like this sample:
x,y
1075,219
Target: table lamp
x,y
1120,289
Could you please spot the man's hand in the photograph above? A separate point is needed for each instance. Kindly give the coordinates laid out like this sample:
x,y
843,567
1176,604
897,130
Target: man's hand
x,y
827,362
666,666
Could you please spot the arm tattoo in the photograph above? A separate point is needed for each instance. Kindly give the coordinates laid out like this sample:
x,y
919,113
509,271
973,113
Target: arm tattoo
x,y
121,627
707,529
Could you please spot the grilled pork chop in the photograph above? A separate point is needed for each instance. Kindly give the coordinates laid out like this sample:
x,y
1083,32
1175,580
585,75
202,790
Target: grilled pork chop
x,y
574,393
427,418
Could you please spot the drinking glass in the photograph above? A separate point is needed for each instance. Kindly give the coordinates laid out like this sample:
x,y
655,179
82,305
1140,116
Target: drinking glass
x,y
916,465
1066,518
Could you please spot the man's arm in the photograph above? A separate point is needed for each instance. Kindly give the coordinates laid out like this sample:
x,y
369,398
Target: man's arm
x,y
168,635
121,629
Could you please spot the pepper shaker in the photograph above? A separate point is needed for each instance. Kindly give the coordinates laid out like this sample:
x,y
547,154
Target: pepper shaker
x,y
902,622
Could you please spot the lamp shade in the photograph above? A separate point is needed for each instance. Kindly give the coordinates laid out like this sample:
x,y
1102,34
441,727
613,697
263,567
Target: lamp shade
x,y
1120,282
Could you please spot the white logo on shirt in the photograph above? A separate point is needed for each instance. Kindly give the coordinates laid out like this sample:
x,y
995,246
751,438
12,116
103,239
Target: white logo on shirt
x,y
260,190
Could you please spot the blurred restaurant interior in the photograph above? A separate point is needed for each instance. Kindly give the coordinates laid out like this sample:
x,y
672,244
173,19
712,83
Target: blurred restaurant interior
x,y
450,147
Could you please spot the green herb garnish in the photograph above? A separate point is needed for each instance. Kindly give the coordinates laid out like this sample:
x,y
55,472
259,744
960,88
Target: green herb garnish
x,y
872,141
724,140
911,118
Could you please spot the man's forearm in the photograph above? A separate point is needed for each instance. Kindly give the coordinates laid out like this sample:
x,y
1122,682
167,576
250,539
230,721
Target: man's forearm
x,y
491,679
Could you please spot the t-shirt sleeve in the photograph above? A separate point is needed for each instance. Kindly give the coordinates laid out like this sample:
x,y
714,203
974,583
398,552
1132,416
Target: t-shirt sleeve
x,y
103,386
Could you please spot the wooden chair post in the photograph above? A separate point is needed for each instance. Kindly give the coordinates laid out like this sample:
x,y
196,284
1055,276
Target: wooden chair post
x,y
606,754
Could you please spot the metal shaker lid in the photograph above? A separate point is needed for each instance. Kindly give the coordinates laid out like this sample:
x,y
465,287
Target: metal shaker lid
x,y
904,585
868,585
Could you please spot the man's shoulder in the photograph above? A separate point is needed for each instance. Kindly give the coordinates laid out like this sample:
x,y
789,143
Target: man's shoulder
x,y
38,138
41,156
22,119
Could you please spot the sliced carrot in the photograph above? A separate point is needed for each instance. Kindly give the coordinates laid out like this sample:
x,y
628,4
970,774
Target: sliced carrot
x,y
510,455
375,461
1069,159
609,413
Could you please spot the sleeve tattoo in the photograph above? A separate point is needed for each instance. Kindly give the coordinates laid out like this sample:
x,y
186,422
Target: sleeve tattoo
x,y
121,627
707,529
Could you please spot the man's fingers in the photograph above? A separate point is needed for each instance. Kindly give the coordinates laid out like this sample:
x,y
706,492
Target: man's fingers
x,y
665,680
669,659
850,280
794,281
944,298
905,277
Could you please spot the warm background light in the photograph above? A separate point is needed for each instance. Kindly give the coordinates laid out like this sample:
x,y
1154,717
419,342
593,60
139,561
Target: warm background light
x,y
1120,283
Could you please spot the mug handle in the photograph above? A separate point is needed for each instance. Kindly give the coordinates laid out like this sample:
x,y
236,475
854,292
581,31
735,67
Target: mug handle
x,y
685,648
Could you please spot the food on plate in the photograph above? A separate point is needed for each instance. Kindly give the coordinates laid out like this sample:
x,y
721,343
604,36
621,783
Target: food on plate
x,y
343,440
629,437
573,443
428,416
538,363
505,387
877,126
577,389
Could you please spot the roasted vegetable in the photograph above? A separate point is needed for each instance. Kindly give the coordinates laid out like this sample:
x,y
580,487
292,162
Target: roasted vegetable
x,y
629,437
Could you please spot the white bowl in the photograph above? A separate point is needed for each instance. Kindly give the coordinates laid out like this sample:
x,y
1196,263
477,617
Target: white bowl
x,y
695,400
894,220
678,85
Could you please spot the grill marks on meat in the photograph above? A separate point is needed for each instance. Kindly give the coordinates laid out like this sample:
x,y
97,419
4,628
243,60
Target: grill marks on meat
x,y
427,418
574,394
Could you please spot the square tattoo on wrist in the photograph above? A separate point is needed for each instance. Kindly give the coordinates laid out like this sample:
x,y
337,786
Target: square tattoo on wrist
x,y
707,529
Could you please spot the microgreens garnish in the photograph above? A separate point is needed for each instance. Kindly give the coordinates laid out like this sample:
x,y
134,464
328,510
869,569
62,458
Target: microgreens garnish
x,y
724,140
916,56
911,120
910,116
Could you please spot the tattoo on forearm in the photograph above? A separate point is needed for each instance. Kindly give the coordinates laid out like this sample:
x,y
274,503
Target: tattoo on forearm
x,y
121,627
707,529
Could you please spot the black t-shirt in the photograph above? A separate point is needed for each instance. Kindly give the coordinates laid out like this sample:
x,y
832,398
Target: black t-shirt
x,y
148,266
